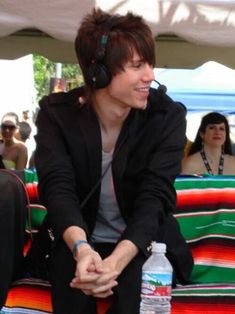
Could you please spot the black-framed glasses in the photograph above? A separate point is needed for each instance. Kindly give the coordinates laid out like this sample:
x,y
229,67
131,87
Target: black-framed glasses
x,y
10,127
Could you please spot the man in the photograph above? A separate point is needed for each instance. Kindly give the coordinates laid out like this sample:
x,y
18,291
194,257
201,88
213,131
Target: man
x,y
107,155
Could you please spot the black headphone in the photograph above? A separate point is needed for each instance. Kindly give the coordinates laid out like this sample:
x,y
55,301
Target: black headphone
x,y
98,75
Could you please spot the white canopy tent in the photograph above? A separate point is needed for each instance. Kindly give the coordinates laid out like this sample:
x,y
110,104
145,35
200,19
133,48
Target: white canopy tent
x,y
188,33
210,87
206,88
17,86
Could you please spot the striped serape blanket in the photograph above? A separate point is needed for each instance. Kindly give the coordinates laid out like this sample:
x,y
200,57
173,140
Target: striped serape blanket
x,y
204,299
28,296
206,215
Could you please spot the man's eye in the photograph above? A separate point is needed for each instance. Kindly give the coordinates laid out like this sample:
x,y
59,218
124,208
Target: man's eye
x,y
137,65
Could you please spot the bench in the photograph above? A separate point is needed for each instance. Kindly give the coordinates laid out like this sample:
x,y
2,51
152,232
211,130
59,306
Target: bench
x,y
206,215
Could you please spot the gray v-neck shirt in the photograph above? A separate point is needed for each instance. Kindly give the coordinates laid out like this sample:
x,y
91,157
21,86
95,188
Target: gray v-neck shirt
x,y
109,224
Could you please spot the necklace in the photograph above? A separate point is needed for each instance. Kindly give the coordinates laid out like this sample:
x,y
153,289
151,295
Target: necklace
x,y
207,165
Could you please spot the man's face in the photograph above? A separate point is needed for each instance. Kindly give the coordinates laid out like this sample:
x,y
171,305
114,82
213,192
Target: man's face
x,y
130,87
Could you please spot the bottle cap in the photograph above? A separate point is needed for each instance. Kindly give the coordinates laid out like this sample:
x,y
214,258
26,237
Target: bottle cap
x,y
158,247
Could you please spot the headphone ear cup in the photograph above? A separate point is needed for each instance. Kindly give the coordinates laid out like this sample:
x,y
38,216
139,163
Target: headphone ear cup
x,y
98,76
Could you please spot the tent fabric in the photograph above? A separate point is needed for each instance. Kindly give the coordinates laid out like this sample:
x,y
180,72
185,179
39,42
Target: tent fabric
x,y
186,31
206,22
207,88
211,77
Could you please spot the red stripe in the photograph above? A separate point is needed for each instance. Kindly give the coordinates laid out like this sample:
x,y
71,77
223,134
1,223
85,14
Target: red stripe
x,y
200,305
32,189
205,197
217,252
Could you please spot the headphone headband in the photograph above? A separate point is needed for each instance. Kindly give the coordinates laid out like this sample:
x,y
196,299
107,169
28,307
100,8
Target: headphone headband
x,y
98,75
100,52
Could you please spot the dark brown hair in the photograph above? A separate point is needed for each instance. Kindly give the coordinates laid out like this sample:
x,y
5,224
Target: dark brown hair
x,y
211,118
126,34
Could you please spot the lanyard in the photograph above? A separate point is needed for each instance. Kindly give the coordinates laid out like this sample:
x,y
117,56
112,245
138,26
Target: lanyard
x,y
207,165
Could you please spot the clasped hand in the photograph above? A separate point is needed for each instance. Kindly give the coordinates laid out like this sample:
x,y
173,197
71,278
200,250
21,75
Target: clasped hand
x,y
93,275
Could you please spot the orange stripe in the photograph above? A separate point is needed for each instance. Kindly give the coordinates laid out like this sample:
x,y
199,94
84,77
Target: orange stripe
x,y
34,298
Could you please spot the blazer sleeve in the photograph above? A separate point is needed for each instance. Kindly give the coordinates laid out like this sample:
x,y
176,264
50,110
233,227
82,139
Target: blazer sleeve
x,y
57,185
156,196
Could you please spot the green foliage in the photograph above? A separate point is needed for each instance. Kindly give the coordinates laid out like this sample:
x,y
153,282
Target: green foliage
x,y
44,70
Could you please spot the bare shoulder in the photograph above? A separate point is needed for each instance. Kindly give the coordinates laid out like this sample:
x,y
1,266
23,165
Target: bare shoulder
x,y
230,159
191,159
21,147
191,164
229,165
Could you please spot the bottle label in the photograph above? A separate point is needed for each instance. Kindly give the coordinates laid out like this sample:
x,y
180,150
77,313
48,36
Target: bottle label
x,y
156,284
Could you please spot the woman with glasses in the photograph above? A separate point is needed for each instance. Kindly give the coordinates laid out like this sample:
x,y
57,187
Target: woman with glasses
x,y
13,152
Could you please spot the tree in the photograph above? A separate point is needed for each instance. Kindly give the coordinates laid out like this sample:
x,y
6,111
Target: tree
x,y
44,70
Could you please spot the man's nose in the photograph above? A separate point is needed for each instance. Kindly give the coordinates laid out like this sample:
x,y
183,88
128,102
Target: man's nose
x,y
148,73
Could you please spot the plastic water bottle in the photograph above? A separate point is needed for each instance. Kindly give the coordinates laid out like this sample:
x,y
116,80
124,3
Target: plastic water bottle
x,y
156,282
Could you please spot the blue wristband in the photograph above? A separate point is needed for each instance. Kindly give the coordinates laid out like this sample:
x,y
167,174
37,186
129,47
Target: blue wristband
x,y
77,244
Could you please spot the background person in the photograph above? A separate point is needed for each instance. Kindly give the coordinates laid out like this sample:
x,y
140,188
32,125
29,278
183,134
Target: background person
x,y
14,152
24,131
24,134
102,243
211,152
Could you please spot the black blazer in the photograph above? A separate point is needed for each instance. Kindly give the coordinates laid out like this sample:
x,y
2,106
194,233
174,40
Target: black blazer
x,y
147,159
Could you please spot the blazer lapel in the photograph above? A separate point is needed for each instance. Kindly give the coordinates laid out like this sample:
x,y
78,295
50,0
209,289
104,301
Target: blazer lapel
x,y
122,147
91,133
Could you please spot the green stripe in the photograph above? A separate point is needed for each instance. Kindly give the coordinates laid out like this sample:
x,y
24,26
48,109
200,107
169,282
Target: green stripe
x,y
37,216
212,274
201,225
227,291
198,183
30,176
